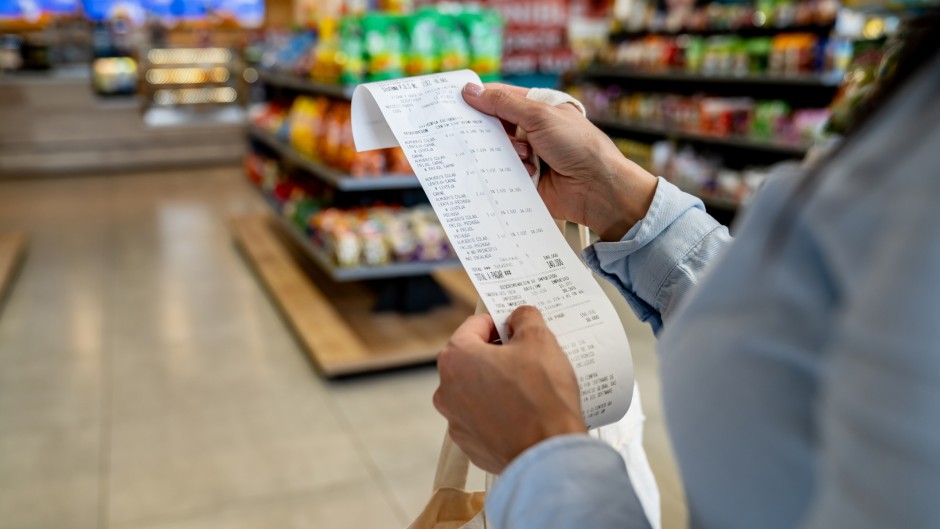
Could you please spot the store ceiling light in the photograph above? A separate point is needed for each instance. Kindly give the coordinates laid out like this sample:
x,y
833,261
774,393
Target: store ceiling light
x,y
189,56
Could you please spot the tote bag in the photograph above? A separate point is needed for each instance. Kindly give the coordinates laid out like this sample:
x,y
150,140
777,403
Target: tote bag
x,y
451,506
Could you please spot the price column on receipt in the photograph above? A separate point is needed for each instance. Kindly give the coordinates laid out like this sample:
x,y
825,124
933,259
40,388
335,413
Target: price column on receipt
x,y
499,226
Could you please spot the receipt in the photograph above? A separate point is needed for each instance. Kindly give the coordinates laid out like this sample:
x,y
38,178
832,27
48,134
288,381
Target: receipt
x,y
499,226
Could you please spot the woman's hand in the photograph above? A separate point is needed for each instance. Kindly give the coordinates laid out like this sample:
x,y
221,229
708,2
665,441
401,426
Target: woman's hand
x,y
501,399
588,180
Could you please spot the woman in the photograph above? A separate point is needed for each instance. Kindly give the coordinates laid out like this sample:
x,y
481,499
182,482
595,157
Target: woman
x,y
800,361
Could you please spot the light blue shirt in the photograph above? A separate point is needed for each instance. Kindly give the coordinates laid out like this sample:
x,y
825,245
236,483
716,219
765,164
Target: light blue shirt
x,y
801,376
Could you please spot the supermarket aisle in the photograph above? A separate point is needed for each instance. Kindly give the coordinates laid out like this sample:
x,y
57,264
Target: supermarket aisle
x,y
147,382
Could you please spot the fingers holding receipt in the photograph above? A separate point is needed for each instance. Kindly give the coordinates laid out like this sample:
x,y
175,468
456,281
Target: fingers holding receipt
x,y
500,228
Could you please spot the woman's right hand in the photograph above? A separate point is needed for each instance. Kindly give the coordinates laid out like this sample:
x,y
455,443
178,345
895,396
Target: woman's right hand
x,y
588,180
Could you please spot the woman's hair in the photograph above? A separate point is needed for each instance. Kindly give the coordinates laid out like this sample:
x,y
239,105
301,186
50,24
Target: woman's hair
x,y
920,44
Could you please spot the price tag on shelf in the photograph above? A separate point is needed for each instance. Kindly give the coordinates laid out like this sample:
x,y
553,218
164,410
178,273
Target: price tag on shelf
x,y
499,226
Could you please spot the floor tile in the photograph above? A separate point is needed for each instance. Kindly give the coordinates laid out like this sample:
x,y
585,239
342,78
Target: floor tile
x,y
204,457
135,311
354,505
49,479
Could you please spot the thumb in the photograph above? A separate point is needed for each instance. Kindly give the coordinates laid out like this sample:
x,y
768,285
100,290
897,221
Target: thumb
x,y
506,105
526,320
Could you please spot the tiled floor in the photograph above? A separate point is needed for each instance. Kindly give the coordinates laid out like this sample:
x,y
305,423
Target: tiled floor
x,y
146,381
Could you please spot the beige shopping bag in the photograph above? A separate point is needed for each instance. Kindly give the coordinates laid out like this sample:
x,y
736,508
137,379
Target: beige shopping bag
x,y
451,506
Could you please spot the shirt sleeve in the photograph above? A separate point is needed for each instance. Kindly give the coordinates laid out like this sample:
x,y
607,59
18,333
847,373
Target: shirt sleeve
x,y
656,263
581,482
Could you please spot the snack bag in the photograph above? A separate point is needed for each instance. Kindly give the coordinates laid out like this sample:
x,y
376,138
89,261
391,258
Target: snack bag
x,y
455,51
335,123
484,30
383,46
351,53
396,162
421,56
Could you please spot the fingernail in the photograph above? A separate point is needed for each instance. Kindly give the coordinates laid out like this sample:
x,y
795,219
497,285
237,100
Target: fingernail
x,y
522,149
473,89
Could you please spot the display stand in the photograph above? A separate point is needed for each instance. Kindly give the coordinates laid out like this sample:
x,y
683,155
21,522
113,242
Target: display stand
x,y
350,319
12,248
338,323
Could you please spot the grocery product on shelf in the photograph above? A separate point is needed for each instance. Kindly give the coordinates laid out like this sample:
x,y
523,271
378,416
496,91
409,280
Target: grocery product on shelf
x,y
639,16
379,235
484,33
371,235
696,171
320,129
381,45
783,55
421,55
739,117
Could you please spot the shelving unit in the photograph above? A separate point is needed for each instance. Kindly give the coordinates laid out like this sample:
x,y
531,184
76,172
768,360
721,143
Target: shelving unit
x,y
184,78
306,86
829,82
358,273
726,141
738,152
336,178
336,322
712,202
747,31
349,319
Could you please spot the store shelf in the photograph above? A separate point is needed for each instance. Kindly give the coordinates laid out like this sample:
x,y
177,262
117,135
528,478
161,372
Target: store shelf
x,y
826,81
336,322
334,177
736,142
358,273
710,201
744,31
300,84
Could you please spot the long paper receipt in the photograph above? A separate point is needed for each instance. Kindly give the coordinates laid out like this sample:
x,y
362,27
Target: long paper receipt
x,y
499,226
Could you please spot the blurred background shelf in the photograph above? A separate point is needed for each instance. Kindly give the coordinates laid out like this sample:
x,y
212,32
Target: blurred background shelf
x,y
299,84
336,322
334,177
744,31
726,141
358,273
711,202
623,73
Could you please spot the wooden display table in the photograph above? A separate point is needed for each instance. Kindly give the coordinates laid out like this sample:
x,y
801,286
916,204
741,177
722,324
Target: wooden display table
x,y
336,322
12,246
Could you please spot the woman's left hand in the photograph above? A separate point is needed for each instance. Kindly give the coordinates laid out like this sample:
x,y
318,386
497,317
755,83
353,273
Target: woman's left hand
x,y
501,399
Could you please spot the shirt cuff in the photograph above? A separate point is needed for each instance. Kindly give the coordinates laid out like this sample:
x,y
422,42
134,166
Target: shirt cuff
x,y
566,481
641,262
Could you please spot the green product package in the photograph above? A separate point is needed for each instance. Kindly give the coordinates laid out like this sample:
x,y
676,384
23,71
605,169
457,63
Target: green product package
x,y
421,55
694,54
484,29
767,114
305,209
350,57
455,50
383,46
758,51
